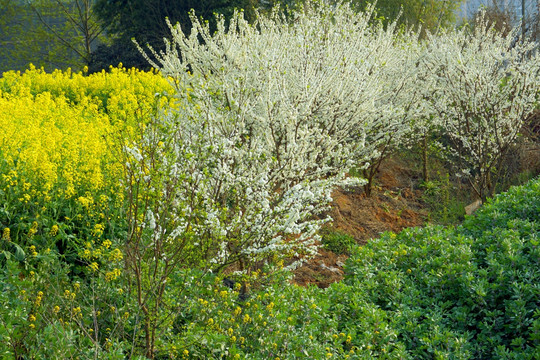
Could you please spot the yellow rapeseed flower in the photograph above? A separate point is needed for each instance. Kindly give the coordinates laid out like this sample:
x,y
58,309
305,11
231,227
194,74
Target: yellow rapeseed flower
x,y
33,230
112,275
6,234
54,230
98,230
77,312
116,255
106,244
37,301
94,266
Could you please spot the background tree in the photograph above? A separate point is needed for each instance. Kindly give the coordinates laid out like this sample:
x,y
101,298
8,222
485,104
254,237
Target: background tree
x,y
428,13
144,20
72,26
49,33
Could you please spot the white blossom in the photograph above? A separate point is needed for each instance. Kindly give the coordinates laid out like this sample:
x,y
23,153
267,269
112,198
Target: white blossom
x,y
483,86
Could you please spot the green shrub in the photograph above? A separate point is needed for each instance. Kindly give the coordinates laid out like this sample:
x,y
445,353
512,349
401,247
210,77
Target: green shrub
x,y
445,202
337,241
465,293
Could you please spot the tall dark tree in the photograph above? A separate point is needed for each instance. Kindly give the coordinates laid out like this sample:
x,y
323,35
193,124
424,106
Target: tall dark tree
x,y
144,21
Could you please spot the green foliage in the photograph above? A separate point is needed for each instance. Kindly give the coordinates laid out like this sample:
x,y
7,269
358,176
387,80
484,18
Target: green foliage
x,y
429,14
277,321
468,292
337,241
445,201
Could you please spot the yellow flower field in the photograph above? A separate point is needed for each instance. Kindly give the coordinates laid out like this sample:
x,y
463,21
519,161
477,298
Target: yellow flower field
x,y
55,129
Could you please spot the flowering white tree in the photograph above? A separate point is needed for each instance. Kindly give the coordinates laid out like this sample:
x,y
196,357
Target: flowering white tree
x,y
485,85
269,118
391,126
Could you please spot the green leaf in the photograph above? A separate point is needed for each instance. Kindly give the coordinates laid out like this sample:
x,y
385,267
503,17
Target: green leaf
x,y
6,255
19,253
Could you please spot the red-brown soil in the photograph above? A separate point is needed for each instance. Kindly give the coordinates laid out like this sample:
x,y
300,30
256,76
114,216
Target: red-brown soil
x,y
393,205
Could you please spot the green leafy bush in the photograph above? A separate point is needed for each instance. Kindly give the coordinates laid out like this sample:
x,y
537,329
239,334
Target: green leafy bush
x,y
465,293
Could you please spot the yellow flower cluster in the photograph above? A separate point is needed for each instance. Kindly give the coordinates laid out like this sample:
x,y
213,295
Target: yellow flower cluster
x,y
116,255
54,230
32,232
94,266
38,299
98,230
6,234
49,140
69,295
57,128
112,275
76,311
